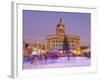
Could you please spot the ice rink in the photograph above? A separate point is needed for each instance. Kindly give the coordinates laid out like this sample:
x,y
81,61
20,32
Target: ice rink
x,y
58,63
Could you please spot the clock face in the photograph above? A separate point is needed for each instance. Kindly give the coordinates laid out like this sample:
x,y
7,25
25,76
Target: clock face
x,y
61,27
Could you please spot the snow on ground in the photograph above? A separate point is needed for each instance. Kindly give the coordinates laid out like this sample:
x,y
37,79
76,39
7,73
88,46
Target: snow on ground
x,y
59,63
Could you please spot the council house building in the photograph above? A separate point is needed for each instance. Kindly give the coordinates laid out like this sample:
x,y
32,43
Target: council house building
x,y
55,41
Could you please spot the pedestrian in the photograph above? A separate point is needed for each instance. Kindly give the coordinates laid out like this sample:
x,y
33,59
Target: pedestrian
x,y
45,57
31,58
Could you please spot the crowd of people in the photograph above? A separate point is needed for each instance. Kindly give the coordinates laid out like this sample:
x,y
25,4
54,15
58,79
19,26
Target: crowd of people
x,y
32,58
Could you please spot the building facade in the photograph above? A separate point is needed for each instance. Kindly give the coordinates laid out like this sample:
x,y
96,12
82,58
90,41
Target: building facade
x,y
56,41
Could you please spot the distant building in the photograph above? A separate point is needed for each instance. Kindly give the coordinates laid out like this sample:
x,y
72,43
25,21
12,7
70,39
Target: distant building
x,y
56,41
27,50
38,48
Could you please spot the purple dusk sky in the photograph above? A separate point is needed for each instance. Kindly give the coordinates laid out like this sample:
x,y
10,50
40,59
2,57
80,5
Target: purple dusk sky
x,y
38,24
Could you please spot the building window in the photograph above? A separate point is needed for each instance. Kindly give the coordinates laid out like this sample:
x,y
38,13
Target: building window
x,y
53,41
72,45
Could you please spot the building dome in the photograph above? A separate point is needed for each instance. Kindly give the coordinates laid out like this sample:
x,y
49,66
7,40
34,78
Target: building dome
x,y
60,30
60,23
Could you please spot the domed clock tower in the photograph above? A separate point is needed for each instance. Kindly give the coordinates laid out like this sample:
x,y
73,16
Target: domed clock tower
x,y
60,30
